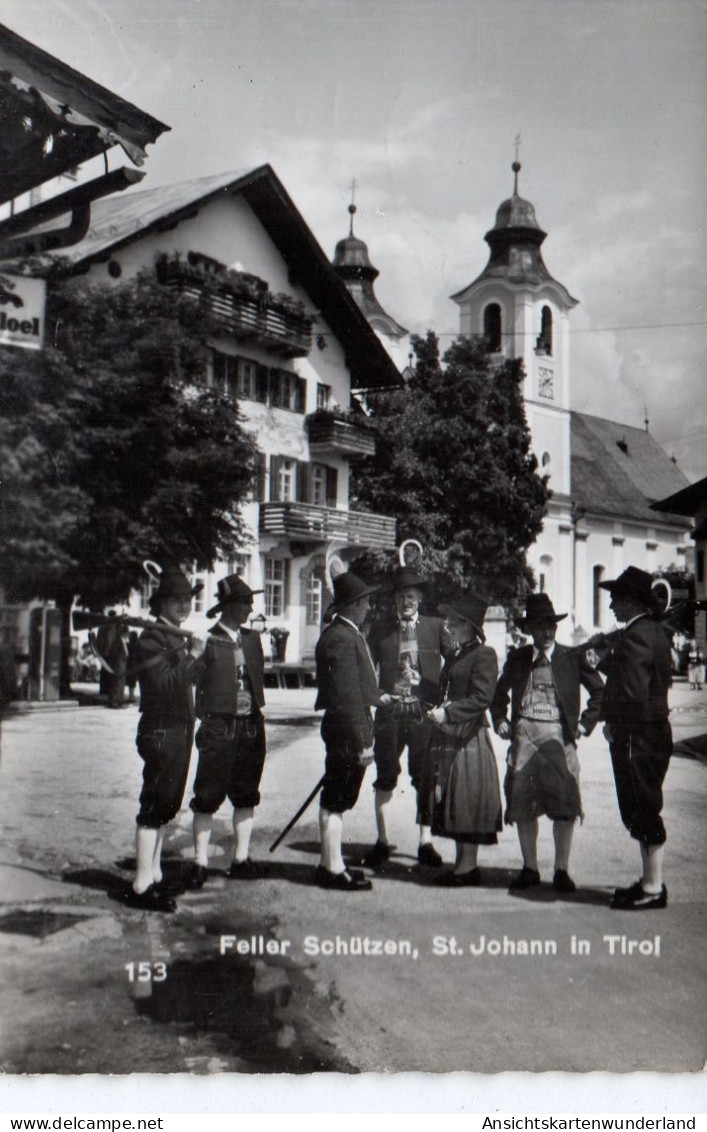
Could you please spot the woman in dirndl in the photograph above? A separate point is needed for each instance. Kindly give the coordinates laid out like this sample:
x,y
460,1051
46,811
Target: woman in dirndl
x,y
459,775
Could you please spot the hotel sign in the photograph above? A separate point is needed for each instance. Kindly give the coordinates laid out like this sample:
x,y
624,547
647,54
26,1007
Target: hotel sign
x,y
22,307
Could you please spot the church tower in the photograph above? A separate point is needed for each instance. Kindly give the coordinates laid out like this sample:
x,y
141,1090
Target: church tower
x,y
352,264
522,312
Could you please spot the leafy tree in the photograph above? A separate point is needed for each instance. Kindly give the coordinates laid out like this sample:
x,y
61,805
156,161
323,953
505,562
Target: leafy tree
x,y
112,449
453,464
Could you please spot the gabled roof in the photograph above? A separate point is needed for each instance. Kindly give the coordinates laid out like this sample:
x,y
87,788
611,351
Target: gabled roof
x,y
620,471
119,221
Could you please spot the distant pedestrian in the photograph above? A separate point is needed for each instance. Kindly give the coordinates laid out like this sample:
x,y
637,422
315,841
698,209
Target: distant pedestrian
x,y
133,661
542,681
695,666
117,657
635,706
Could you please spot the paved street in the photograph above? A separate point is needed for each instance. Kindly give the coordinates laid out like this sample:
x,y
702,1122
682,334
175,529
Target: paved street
x,y
245,985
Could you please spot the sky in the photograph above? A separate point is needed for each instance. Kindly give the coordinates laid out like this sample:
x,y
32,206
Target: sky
x,y
421,102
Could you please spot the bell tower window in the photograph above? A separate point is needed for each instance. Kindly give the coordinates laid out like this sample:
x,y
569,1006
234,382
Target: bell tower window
x,y
492,328
543,344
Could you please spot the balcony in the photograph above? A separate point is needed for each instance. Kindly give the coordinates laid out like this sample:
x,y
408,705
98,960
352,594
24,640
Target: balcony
x,y
340,434
303,522
241,306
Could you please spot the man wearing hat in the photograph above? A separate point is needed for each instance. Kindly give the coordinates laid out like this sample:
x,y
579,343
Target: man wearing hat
x,y
347,690
410,655
231,739
635,707
168,668
542,682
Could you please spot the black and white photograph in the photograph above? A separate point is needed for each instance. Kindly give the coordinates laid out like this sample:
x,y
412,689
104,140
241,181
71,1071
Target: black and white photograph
x,y
353,509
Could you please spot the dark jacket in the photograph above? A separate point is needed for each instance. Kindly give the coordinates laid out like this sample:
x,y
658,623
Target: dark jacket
x,y
638,674
468,682
569,670
433,644
216,688
166,680
346,680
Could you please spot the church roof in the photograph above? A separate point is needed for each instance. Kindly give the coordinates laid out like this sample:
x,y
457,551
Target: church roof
x,y
515,242
619,471
121,220
353,265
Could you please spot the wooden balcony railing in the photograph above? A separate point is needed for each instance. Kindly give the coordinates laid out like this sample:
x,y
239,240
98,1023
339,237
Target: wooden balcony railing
x,y
332,433
245,312
304,522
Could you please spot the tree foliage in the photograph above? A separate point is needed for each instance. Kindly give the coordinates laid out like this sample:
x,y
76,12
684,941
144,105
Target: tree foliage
x,y
453,464
112,448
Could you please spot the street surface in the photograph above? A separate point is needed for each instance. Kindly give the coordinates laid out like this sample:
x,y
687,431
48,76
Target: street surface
x,y
239,979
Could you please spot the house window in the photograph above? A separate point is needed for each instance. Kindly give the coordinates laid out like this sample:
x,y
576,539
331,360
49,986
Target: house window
x,y
318,483
598,601
247,380
287,390
700,565
545,578
237,565
323,396
492,327
313,600
287,479
275,586
224,374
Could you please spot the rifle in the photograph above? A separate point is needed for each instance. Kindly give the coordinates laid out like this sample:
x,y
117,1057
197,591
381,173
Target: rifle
x,y
82,620
606,640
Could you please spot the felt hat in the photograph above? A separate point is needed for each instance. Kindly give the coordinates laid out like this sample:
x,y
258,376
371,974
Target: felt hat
x,y
634,583
228,591
538,607
469,607
404,578
173,582
349,588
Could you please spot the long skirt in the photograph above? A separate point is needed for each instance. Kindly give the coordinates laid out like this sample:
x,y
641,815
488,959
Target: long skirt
x,y
460,782
543,774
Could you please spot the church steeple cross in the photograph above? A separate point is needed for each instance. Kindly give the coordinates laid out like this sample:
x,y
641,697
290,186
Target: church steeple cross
x,y
352,206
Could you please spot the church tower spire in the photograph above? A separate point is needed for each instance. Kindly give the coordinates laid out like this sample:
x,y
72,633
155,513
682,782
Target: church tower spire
x,y
352,264
521,311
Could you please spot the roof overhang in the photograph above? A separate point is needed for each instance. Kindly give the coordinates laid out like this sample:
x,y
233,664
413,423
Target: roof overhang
x,y
54,118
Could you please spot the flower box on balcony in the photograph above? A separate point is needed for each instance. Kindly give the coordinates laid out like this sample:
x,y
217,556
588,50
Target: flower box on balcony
x,y
241,305
340,433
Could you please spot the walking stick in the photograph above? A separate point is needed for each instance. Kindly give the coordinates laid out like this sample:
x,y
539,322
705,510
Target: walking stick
x,y
298,815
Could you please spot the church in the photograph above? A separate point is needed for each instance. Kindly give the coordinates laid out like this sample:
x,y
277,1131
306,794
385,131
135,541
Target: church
x,y
605,476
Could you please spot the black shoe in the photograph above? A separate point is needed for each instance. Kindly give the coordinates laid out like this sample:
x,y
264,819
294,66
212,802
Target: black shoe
x,y
348,881
526,878
629,893
641,902
427,855
197,877
246,870
149,901
376,856
470,879
169,886
563,882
